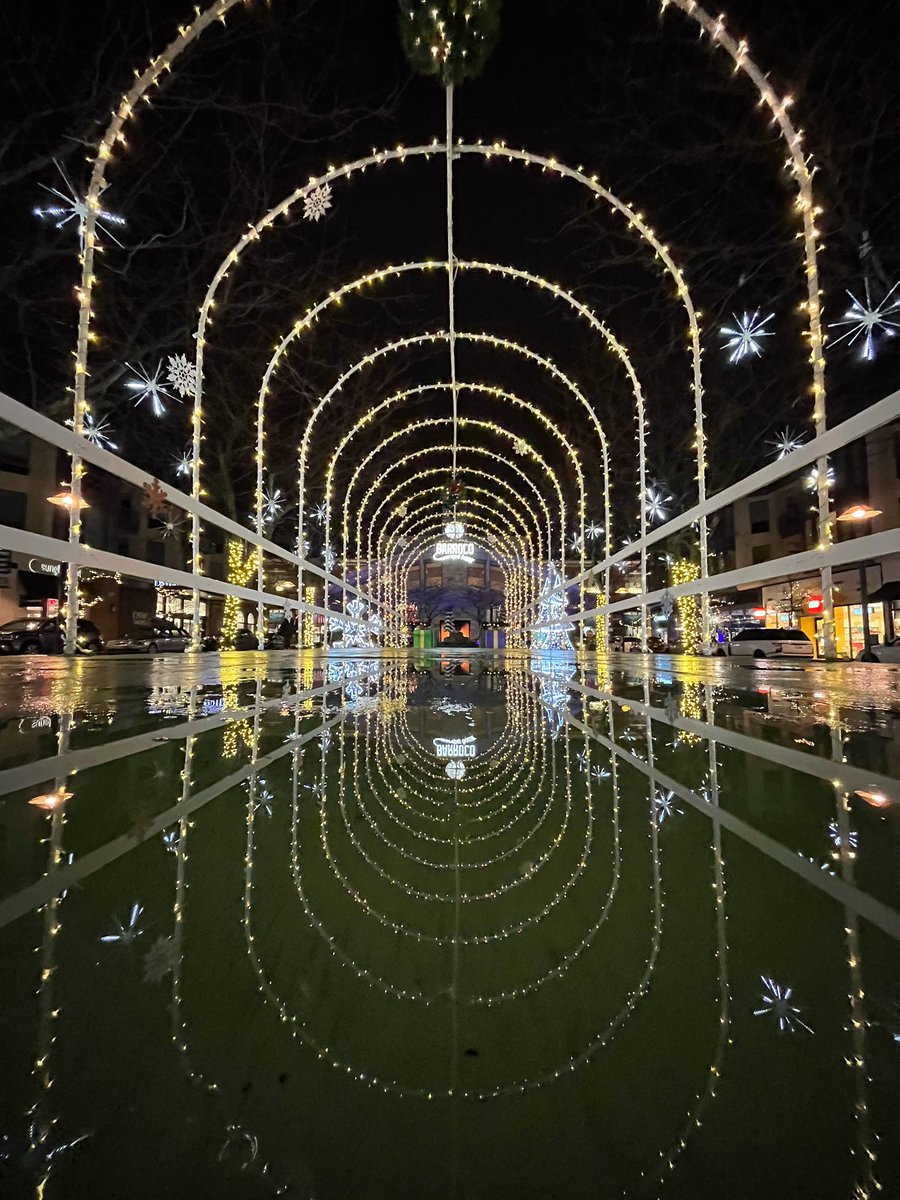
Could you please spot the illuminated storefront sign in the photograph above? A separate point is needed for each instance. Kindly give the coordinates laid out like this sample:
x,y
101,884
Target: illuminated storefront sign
x,y
455,747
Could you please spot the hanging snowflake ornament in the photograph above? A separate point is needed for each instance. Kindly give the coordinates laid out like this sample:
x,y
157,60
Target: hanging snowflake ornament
x,y
785,442
329,558
657,501
150,388
74,208
317,202
745,337
868,321
593,531
776,1001
812,479
576,542
154,499
320,512
273,503
182,374
160,960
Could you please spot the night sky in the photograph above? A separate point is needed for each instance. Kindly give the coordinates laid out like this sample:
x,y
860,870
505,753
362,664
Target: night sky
x,y
289,87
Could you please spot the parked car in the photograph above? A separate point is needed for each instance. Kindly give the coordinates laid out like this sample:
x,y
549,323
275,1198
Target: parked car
x,y
159,637
760,642
889,652
46,635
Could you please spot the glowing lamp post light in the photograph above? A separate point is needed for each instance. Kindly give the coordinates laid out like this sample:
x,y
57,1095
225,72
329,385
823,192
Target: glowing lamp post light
x,y
854,515
68,501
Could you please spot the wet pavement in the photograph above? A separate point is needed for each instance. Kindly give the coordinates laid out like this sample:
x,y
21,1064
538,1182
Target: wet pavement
x,y
461,924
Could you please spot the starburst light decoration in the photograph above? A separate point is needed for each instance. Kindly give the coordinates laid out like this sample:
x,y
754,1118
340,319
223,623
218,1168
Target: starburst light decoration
x,y
74,208
184,462
776,1002
128,933
97,431
812,479
273,504
576,542
657,502
593,531
319,513
317,203
150,388
785,442
172,524
329,558
743,339
552,609
869,321
666,806
834,832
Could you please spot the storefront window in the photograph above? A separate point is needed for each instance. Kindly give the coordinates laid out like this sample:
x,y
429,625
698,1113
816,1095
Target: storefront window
x,y
848,629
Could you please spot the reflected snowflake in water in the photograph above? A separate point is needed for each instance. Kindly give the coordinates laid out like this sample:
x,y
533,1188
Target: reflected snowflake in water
x,y
600,774
776,1000
160,960
834,832
171,840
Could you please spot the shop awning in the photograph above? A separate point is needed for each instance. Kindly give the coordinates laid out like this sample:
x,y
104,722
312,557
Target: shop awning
x,y
887,592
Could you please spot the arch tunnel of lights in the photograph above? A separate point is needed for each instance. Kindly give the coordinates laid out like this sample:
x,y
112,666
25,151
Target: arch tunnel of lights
x,y
449,836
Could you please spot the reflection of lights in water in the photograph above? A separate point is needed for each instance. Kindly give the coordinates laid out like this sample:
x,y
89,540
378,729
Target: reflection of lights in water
x,y
876,799
51,800
128,933
776,1000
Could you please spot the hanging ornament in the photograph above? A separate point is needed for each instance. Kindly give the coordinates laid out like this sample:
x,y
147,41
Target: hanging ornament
x,y
449,39
657,501
786,442
552,614
317,202
182,374
184,463
744,339
150,388
319,513
154,499
97,431
74,208
869,321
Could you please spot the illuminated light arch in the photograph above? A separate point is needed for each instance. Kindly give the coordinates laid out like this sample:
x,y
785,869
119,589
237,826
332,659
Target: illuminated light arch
x,y
798,165
463,423
436,422
447,448
393,588
394,270
480,389
502,542
533,552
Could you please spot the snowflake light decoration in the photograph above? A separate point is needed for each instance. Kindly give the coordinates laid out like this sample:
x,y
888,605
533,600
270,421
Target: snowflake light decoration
x,y
776,1001
320,512
317,202
743,339
150,388
127,934
575,544
656,502
600,774
552,609
273,503
170,840
172,524
182,374
869,321
74,208
593,531
665,803
329,558
160,960
785,442
97,431
356,629
265,798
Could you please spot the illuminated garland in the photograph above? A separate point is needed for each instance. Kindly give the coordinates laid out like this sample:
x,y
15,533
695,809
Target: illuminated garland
x,y
684,570
240,570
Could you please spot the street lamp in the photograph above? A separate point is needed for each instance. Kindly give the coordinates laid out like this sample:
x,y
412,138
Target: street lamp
x,y
857,513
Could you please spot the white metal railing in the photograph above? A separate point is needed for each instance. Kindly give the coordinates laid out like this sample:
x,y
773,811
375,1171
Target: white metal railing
x,y
816,559
25,542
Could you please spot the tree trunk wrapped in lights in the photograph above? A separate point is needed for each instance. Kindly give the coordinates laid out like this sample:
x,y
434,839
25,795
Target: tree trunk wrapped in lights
x,y
449,39
241,567
685,570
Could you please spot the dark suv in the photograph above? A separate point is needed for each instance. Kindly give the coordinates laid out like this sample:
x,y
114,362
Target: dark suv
x,y
46,636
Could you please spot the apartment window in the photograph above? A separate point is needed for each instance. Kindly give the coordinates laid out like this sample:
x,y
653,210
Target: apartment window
x,y
762,554
476,575
759,516
12,508
15,449
156,553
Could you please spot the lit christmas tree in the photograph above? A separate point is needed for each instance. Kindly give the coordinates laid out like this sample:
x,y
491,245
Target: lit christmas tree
x,y
552,609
